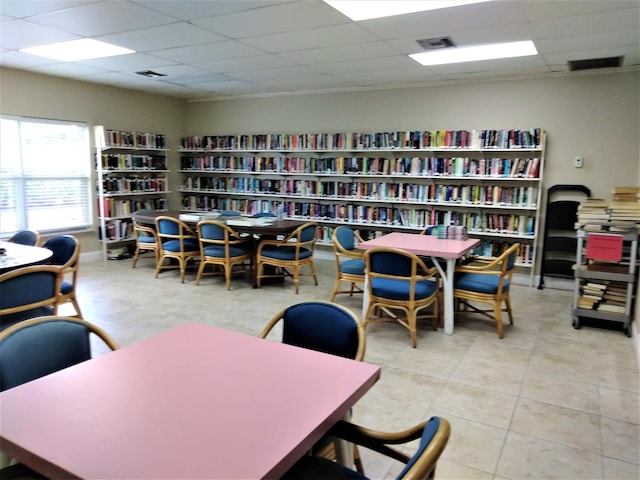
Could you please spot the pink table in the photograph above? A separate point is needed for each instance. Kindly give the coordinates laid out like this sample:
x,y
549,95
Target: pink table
x,y
192,402
432,246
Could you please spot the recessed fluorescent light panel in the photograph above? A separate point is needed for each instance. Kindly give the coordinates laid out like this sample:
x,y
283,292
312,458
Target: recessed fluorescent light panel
x,y
76,50
365,9
473,54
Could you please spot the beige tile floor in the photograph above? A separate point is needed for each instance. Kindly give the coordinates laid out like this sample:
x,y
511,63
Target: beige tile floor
x,y
547,401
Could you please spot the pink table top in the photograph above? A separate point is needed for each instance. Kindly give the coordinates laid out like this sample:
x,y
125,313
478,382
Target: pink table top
x,y
192,402
422,244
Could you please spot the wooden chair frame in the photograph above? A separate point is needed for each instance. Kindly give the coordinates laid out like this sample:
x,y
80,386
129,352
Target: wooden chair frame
x,y
71,268
499,267
51,301
293,240
342,254
231,239
184,232
145,247
410,307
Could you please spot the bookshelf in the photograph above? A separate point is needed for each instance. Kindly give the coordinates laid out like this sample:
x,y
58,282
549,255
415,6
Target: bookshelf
x,y
487,180
605,273
131,169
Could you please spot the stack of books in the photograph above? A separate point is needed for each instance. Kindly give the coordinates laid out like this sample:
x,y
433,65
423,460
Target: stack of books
x,y
625,205
593,210
614,298
591,294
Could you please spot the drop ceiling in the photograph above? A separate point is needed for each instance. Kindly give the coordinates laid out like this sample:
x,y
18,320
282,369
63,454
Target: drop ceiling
x,y
220,49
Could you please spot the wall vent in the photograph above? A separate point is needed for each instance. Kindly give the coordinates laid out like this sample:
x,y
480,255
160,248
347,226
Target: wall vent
x,y
436,43
593,63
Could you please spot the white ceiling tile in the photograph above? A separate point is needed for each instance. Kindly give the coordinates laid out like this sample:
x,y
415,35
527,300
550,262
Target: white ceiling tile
x,y
274,19
312,38
245,64
165,36
389,77
295,72
197,9
27,8
208,52
586,42
631,55
16,59
22,34
541,9
69,70
131,62
103,18
341,53
370,64
312,83
610,21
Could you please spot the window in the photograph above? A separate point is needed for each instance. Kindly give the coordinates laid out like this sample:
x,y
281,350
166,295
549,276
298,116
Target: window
x,y
45,175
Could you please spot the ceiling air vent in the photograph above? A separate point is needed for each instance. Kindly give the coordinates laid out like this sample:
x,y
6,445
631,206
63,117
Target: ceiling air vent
x,y
151,74
436,43
593,63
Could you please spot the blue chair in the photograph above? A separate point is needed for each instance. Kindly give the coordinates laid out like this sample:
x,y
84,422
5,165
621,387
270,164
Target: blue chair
x,y
433,434
26,237
486,281
29,292
66,255
399,280
295,251
222,246
349,261
40,346
177,241
146,240
324,327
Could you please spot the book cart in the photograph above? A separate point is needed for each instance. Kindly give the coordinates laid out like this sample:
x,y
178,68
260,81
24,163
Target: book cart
x,y
605,273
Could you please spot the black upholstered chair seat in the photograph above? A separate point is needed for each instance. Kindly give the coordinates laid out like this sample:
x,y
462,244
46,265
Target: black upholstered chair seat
x,y
174,245
219,251
285,253
352,267
401,290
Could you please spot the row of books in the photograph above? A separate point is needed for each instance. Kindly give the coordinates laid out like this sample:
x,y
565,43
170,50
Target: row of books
x,y
125,207
133,184
418,166
117,230
471,195
603,296
129,161
506,224
625,205
119,138
415,139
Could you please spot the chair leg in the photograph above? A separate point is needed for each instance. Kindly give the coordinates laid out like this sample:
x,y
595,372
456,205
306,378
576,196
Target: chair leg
x,y
200,272
227,275
497,312
412,320
74,302
336,287
507,302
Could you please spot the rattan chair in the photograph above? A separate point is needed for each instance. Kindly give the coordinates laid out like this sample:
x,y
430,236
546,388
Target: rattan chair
x,y
349,261
324,327
399,280
487,281
26,237
222,247
293,252
177,241
146,242
66,255
29,292
433,434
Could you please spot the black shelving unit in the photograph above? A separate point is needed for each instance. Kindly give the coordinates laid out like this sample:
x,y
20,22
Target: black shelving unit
x,y
559,242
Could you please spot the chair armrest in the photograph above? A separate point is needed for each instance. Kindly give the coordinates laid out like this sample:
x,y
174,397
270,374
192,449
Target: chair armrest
x,y
481,264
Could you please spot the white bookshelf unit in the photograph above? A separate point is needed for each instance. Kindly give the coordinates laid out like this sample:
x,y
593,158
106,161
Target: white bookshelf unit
x,y
488,181
132,173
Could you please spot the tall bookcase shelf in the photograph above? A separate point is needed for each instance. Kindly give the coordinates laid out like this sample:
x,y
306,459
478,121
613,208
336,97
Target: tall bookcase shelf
x,y
377,182
131,169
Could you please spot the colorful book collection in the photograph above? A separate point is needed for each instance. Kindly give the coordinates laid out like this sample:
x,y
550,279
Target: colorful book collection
x,y
414,166
119,138
472,195
128,161
125,207
417,139
134,185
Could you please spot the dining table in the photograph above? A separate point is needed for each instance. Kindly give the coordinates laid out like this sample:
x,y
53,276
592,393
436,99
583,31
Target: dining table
x,y
444,252
193,401
16,255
